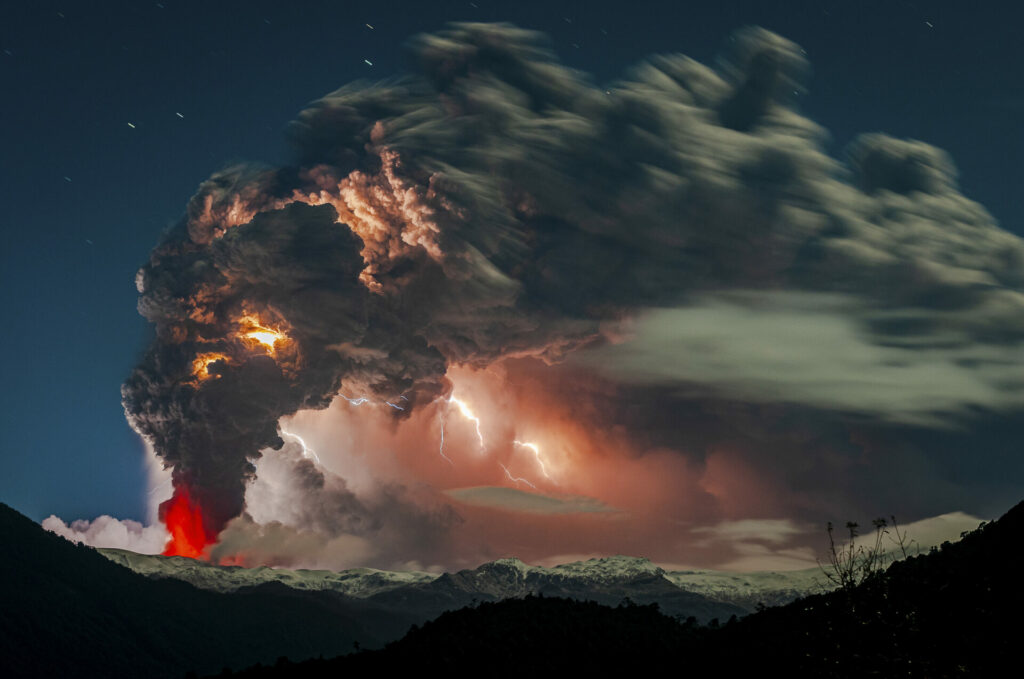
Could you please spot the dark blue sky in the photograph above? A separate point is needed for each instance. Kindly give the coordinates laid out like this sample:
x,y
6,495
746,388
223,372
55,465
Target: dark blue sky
x,y
85,195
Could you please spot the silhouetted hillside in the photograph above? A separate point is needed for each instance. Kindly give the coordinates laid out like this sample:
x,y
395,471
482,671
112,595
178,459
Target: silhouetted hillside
x,y
954,612
109,621
66,611
528,637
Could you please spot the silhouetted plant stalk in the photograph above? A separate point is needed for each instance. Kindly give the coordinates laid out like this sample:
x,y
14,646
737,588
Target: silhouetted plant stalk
x,y
852,563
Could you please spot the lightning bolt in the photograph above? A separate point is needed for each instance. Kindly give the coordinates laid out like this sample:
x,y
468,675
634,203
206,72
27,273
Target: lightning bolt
x,y
362,399
307,452
516,479
468,414
161,486
441,449
536,453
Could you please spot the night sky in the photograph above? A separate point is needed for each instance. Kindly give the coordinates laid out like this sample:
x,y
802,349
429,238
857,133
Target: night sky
x,y
116,111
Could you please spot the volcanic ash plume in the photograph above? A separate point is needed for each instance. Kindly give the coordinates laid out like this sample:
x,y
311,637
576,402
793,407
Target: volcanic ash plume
x,y
496,204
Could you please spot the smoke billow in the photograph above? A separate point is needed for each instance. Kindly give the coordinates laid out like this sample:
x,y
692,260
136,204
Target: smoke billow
x,y
106,531
494,203
301,514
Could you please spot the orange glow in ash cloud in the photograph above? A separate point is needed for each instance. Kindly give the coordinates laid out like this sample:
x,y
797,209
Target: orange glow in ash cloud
x,y
261,334
201,365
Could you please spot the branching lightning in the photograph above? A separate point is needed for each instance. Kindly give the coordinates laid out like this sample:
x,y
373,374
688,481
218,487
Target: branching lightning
x,y
307,452
516,479
536,453
468,414
362,399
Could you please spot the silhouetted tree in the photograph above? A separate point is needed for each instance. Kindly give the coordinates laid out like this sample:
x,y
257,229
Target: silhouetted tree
x,y
852,563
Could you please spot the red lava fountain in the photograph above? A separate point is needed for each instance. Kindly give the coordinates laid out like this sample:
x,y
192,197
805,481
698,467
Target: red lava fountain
x,y
184,520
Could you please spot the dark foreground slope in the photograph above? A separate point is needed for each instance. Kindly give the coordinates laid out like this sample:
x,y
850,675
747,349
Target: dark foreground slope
x,y
528,637
955,612
67,611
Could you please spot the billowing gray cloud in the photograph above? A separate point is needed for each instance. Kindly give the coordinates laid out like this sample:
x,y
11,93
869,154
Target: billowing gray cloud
x,y
816,350
302,516
495,203
247,543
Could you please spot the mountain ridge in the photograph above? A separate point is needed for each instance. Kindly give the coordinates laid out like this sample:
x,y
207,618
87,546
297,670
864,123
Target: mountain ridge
x,y
950,612
609,577
69,610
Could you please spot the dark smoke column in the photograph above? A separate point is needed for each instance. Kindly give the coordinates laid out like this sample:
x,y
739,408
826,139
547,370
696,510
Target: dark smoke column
x,y
496,203
433,220
250,326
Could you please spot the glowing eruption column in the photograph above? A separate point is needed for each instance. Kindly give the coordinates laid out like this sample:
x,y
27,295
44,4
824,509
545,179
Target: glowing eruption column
x,y
184,520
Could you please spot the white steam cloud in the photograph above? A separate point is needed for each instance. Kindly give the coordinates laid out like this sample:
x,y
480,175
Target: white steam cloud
x,y
106,531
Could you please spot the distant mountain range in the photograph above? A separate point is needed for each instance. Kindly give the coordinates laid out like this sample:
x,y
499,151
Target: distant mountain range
x,y
70,610
67,610
953,612
702,594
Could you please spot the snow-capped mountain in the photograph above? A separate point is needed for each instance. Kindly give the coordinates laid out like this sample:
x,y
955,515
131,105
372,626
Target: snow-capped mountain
x,y
771,588
702,594
356,582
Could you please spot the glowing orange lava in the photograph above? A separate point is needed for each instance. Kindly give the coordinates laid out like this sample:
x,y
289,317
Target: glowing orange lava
x,y
254,329
201,365
184,520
